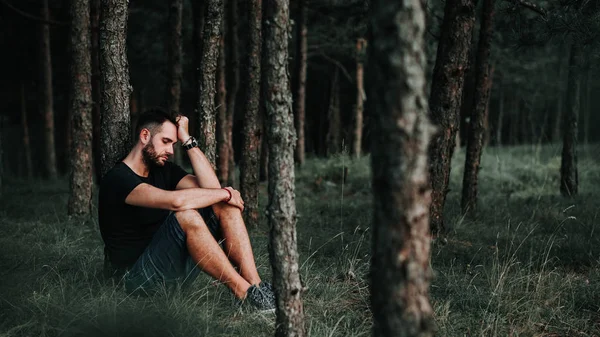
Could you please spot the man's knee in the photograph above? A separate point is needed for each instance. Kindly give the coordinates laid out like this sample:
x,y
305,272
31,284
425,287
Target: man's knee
x,y
189,219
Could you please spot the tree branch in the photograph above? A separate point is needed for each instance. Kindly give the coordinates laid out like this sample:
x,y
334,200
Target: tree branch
x,y
33,17
531,6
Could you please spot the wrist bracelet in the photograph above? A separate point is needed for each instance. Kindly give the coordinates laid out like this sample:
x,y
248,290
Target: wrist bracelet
x,y
187,141
230,195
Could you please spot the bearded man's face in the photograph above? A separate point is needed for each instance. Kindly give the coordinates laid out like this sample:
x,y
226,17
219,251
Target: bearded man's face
x,y
151,158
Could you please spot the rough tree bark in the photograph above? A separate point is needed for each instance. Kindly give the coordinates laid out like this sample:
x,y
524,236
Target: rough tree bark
x,y
400,271
80,199
249,165
300,85
445,99
221,106
569,179
114,73
175,68
334,126
233,83
25,131
361,45
46,99
206,85
500,122
558,117
477,131
264,147
282,206
96,90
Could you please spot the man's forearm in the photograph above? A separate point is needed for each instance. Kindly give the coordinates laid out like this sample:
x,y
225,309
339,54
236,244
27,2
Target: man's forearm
x,y
207,178
195,198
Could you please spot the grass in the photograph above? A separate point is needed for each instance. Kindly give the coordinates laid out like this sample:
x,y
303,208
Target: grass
x,y
527,263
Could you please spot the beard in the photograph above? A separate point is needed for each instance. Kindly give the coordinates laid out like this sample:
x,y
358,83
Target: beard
x,y
150,157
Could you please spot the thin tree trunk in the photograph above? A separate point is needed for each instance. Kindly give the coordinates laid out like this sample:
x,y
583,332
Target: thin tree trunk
x,y
300,85
477,132
114,71
80,199
569,179
514,119
249,165
175,68
489,83
208,70
334,128
233,83
25,131
221,105
361,45
47,100
96,90
282,206
500,117
558,117
198,9
587,106
445,99
400,268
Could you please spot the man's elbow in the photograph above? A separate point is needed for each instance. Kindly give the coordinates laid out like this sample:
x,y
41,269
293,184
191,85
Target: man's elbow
x,y
177,204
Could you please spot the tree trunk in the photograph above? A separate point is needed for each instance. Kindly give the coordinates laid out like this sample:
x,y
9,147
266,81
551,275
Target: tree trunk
x,y
249,165
569,179
25,131
400,269
282,206
222,132
47,100
96,90
445,99
80,199
560,103
233,83
300,85
175,68
361,45
587,106
334,128
208,70
264,147
198,9
500,117
114,71
476,136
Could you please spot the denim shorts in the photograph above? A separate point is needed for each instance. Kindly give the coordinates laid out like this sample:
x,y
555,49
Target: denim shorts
x,y
166,262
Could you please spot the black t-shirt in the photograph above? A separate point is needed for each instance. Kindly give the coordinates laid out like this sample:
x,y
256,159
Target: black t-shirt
x,y
126,229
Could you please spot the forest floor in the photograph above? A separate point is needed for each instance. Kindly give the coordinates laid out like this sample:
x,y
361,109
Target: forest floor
x,y
527,263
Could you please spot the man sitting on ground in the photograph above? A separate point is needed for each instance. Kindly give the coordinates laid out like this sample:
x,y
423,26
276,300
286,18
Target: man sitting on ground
x,y
160,225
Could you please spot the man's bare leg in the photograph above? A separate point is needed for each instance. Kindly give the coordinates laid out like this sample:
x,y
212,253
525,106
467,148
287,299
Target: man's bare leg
x,y
207,253
237,242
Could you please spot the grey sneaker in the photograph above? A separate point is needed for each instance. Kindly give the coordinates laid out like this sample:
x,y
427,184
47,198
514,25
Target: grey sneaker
x,y
261,298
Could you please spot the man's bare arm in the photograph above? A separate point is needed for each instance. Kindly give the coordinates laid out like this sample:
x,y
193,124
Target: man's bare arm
x,y
146,195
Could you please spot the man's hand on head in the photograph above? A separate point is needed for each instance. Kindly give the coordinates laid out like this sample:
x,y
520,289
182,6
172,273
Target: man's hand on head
x,y
182,128
236,198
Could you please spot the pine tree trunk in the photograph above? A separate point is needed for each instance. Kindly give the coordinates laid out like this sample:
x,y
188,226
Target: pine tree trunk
x,y
361,45
569,179
282,206
208,70
300,85
96,90
221,102
47,100
476,137
264,147
25,131
500,122
400,269
587,106
175,68
445,99
560,103
114,71
233,83
334,128
197,37
249,165
80,199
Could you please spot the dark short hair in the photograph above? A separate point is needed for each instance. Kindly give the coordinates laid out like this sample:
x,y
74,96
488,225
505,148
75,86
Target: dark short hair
x,y
153,118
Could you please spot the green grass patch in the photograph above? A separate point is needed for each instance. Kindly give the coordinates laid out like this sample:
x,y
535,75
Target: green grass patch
x,y
526,263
